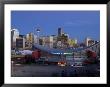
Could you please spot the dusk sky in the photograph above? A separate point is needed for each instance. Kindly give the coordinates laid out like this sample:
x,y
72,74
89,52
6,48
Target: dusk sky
x,y
78,24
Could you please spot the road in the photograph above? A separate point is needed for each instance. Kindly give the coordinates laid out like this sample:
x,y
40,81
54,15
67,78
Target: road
x,y
35,70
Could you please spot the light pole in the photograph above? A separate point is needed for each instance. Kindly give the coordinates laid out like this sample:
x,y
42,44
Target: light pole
x,y
38,30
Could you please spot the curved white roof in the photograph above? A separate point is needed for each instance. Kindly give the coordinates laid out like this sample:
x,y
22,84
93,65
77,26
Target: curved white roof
x,y
26,52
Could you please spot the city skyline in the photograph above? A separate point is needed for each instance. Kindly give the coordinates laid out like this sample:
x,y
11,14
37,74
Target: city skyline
x,y
78,24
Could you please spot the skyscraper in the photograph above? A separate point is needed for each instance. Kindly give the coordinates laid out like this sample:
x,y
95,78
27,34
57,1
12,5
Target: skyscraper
x,y
35,39
48,41
20,42
59,31
30,39
14,36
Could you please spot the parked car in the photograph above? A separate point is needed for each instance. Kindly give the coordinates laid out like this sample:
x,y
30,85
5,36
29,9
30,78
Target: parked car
x,y
61,63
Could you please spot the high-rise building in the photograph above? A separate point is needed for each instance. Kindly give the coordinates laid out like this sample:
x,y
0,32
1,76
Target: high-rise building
x,y
35,39
66,35
59,31
86,41
20,42
59,44
42,40
27,37
30,39
54,41
72,42
89,41
76,41
14,36
49,41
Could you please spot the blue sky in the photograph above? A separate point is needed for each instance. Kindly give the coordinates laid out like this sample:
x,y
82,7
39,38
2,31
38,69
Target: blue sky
x,y
78,24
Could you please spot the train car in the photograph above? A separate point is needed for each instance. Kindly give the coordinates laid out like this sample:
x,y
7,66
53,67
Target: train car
x,y
36,54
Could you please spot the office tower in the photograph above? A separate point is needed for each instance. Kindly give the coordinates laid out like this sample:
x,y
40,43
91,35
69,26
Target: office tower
x,y
14,36
59,31
35,39
20,42
54,41
30,39
89,41
49,41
